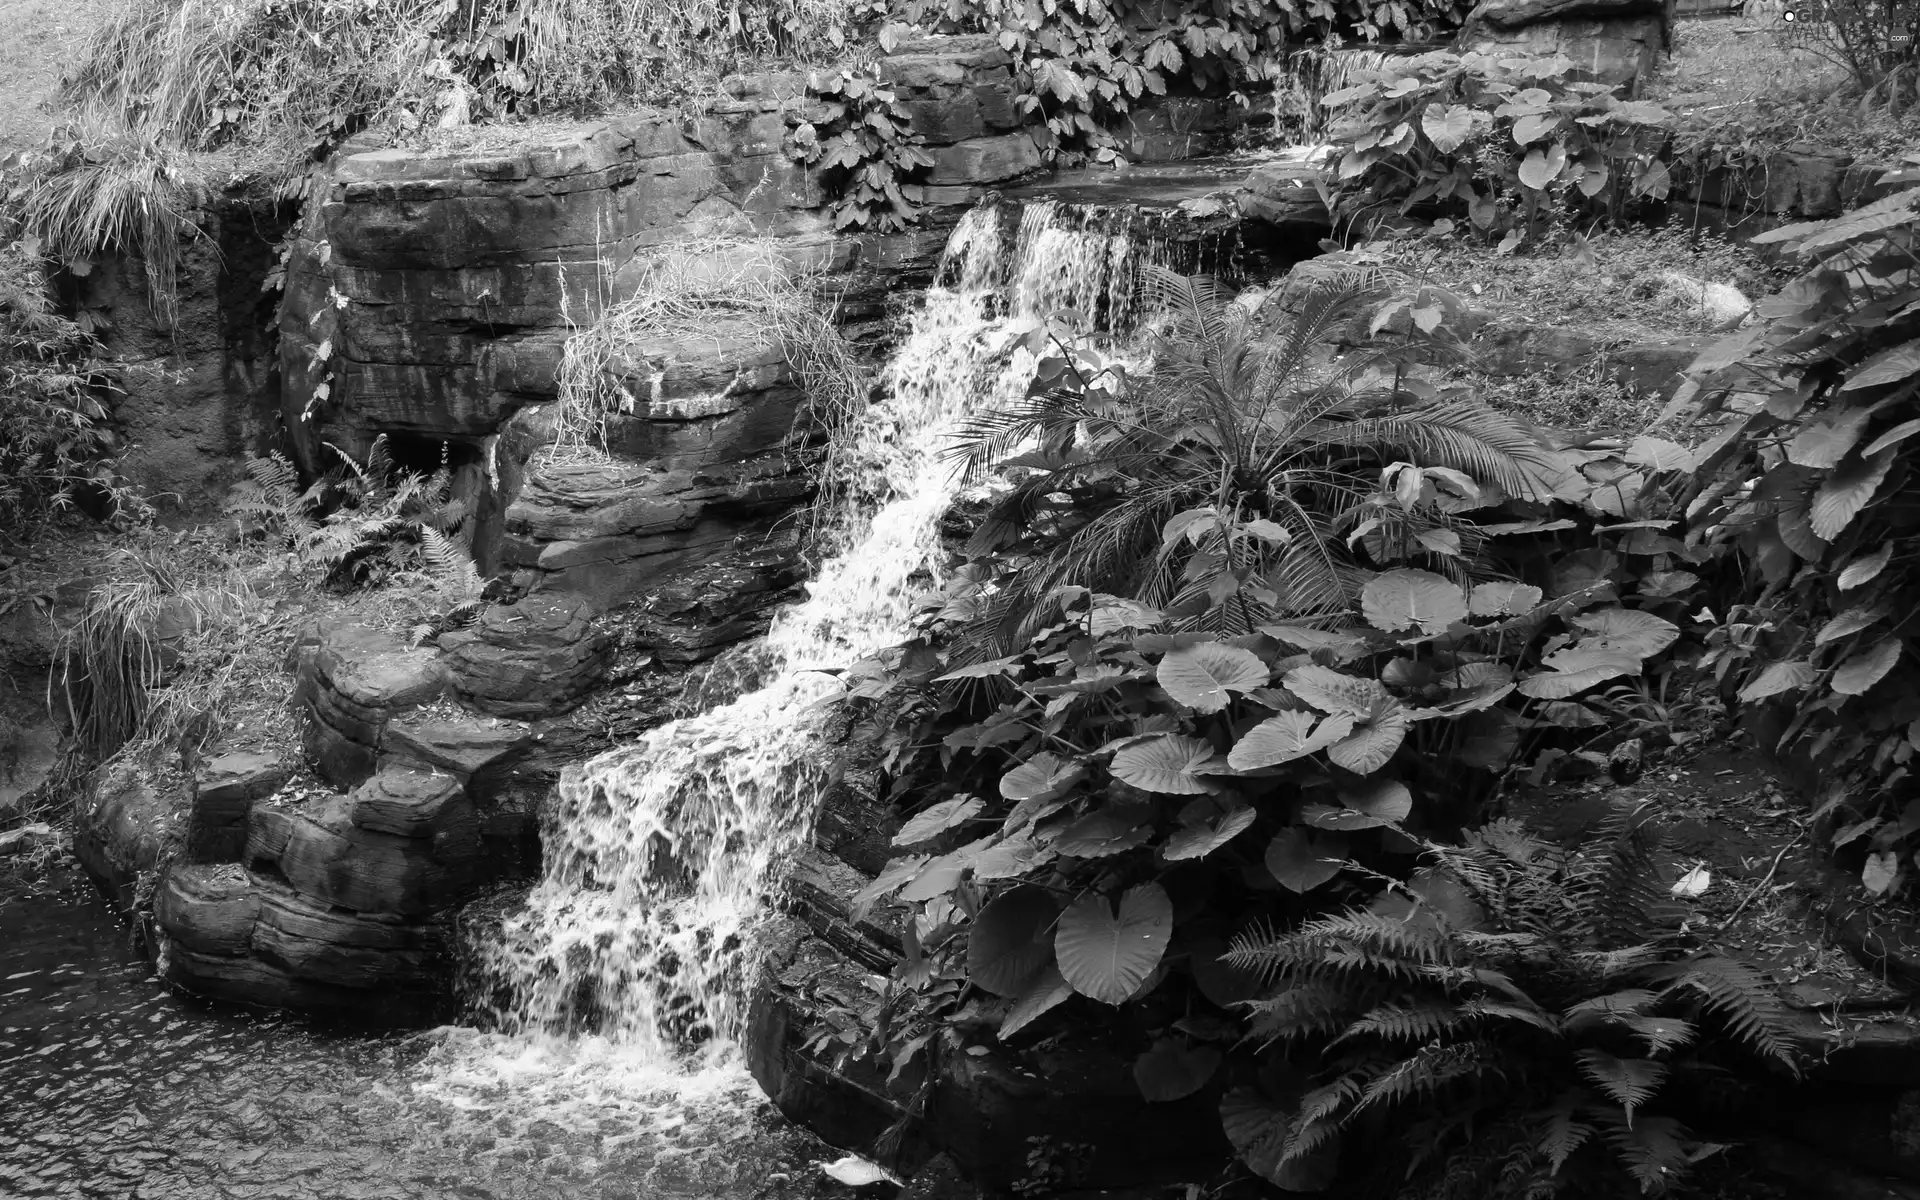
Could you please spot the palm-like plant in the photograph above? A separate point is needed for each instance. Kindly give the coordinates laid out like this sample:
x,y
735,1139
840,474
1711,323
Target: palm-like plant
x,y
1526,1009
1240,480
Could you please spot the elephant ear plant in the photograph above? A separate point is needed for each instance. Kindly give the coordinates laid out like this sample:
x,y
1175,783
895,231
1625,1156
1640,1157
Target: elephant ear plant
x,y
1813,480
1231,657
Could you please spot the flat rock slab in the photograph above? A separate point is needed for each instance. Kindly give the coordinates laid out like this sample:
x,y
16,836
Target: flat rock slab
x,y
409,803
464,746
538,658
223,795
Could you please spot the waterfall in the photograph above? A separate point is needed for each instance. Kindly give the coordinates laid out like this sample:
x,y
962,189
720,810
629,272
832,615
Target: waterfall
x,y
1312,74
659,857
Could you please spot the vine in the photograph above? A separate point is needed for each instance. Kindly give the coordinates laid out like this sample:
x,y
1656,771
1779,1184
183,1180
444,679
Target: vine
x,y
865,147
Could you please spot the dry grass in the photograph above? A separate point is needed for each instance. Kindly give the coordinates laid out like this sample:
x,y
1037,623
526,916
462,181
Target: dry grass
x,y
698,291
1739,81
38,40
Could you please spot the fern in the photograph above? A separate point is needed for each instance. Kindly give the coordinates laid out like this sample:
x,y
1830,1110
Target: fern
x,y
1741,998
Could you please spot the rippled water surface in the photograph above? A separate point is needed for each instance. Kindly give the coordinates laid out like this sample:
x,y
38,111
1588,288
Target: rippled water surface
x,y
110,1087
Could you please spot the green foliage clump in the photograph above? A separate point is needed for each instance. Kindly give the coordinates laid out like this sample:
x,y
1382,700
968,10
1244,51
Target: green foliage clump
x,y
55,442
1085,64
866,148
1813,480
1505,142
1237,635
370,524
1514,1016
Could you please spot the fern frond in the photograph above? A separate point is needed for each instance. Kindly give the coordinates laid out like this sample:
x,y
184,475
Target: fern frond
x,y
1428,1071
1408,1020
1656,1151
1742,999
451,566
1629,1082
379,461
1562,1132
1310,1007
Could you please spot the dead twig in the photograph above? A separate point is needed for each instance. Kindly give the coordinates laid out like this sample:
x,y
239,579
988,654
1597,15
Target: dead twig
x,y
1762,885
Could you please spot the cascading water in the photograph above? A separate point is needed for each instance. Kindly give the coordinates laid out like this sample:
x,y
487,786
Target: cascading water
x,y
659,856
1309,76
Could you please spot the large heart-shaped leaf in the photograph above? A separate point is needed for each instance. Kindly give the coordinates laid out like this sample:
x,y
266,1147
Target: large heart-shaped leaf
x,y
1779,677
1015,856
1447,125
1502,599
1888,366
1258,1131
1208,830
1042,777
1534,126
1411,599
1047,989
1626,631
1865,569
1331,692
891,878
1866,668
1169,763
1107,955
1385,800
1824,442
1011,940
1172,1069
1845,492
1373,741
1203,677
1106,832
937,819
1542,167
1302,861
1558,684
1286,736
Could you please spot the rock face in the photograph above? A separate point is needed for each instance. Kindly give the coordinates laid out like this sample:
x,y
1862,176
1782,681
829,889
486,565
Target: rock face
x,y
353,681
223,796
125,828
1608,41
537,658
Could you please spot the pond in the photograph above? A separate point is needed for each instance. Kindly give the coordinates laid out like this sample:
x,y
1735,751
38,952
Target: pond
x,y
111,1086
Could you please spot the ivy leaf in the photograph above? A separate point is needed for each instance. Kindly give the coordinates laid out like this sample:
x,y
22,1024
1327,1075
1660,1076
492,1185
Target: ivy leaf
x,y
1411,599
1846,492
1861,671
1105,955
1888,366
1171,1070
936,820
1203,676
1502,599
1041,778
1865,569
1010,941
1169,763
1047,990
1779,677
1286,736
1208,832
1302,862
1824,442
1106,832
1626,630
1448,126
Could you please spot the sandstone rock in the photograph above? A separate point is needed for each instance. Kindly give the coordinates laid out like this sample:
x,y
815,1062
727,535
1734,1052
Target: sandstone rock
x,y
1620,51
472,749
1511,348
223,795
1513,14
984,160
125,826
331,860
1656,368
311,941
1283,193
410,803
207,909
537,658
1804,180
355,680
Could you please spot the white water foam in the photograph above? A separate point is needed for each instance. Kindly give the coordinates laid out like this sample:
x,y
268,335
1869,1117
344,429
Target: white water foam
x,y
637,944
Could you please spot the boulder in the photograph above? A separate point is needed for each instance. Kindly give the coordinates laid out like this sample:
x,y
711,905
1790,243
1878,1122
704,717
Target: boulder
x,y
125,825
473,749
412,803
1620,51
224,790
984,160
330,860
540,657
208,909
354,680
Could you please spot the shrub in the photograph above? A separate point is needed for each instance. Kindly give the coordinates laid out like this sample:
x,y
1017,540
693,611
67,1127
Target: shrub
x,y
55,444
1503,142
1877,41
1813,480
1085,64
1513,1017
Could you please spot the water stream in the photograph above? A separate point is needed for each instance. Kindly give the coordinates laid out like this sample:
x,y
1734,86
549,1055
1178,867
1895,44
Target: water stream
x,y
609,1069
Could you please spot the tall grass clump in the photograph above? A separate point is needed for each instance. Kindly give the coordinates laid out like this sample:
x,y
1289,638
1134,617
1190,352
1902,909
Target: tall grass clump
x,y
299,73
151,663
691,292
